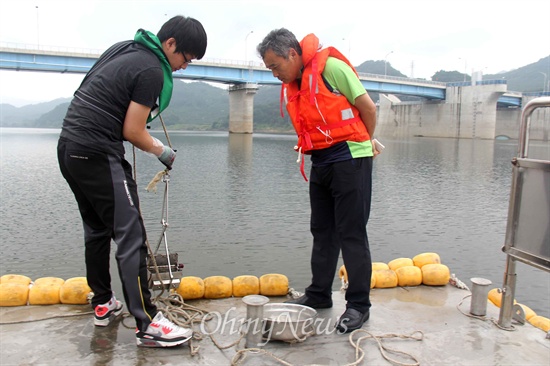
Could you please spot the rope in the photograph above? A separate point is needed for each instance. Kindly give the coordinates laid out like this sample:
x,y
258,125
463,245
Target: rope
x,y
69,315
241,355
360,353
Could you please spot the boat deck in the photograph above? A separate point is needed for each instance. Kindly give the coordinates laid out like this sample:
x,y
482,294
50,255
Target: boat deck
x,y
435,316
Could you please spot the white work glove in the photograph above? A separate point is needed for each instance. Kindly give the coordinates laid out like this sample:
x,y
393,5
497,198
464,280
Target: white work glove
x,y
167,155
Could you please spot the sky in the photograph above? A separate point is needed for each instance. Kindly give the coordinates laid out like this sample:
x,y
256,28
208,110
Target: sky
x,y
417,38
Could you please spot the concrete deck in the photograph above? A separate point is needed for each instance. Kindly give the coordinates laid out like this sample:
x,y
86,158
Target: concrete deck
x,y
38,335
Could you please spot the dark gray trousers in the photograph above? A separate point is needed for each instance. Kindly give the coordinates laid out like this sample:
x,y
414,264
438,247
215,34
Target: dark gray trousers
x,y
108,202
340,198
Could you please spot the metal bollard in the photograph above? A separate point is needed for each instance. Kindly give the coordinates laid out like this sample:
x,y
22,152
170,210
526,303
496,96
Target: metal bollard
x,y
254,316
480,291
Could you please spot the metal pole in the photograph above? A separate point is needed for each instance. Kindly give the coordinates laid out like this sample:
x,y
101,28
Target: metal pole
x,y
508,294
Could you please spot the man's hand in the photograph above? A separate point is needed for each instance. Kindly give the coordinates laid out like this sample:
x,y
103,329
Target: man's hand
x,y
167,157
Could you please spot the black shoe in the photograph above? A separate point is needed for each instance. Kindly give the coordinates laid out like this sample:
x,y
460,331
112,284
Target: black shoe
x,y
351,320
306,301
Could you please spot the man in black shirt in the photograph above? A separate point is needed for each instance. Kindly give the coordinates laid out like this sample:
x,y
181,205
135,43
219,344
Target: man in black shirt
x,y
125,89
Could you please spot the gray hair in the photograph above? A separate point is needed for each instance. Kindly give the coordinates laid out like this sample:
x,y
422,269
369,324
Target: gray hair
x,y
280,41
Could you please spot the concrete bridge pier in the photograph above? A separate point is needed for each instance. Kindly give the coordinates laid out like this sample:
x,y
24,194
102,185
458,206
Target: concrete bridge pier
x,y
476,106
467,112
241,107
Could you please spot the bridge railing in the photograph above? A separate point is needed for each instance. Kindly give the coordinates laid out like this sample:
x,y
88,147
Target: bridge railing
x,y
399,79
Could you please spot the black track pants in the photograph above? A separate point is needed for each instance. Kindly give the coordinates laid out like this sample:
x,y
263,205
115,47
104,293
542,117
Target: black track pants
x,y
108,202
340,198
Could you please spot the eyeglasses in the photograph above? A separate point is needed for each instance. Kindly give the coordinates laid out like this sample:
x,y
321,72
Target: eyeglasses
x,y
185,59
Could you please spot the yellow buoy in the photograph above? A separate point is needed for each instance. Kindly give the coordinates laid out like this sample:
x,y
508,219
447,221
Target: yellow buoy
x,y
45,293
74,292
409,276
49,280
400,262
385,278
15,278
372,281
529,313
77,279
540,322
13,294
435,274
273,284
246,285
426,258
218,287
342,273
379,265
191,288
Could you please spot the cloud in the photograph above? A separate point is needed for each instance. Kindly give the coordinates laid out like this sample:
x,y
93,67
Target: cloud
x,y
424,35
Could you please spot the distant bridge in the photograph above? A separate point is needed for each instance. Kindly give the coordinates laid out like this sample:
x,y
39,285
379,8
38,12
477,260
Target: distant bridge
x,y
239,74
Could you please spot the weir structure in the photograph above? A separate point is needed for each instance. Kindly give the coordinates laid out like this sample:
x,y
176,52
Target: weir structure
x,y
477,109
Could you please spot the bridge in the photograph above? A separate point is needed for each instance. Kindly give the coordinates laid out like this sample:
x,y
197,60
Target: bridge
x,y
218,71
243,79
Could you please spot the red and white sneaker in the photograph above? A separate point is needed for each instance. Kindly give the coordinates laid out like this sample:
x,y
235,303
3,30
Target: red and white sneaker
x,y
106,313
162,333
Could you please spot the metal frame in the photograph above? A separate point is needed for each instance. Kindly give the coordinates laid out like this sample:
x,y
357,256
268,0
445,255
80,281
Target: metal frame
x,y
528,228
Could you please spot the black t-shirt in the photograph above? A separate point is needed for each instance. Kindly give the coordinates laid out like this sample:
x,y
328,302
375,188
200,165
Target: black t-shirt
x,y
126,72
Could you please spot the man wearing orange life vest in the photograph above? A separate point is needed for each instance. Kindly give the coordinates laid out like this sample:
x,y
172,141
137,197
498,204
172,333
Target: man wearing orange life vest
x,y
334,119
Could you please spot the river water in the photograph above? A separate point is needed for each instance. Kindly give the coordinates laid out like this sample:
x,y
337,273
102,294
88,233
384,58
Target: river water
x,y
238,205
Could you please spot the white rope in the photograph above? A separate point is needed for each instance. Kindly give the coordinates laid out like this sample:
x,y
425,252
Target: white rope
x,y
454,281
360,353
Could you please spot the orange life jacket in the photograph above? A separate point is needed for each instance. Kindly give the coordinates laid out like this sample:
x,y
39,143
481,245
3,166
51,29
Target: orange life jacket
x,y
320,116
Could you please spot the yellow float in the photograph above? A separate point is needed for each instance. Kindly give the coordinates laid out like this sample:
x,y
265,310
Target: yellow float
x,y
15,278
435,274
426,258
191,288
49,280
77,279
273,284
75,291
400,262
379,265
385,278
45,293
217,287
342,273
540,322
13,294
409,276
246,285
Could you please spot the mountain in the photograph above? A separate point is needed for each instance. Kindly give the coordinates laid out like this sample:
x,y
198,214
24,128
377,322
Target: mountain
x,y
28,116
201,106
529,78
